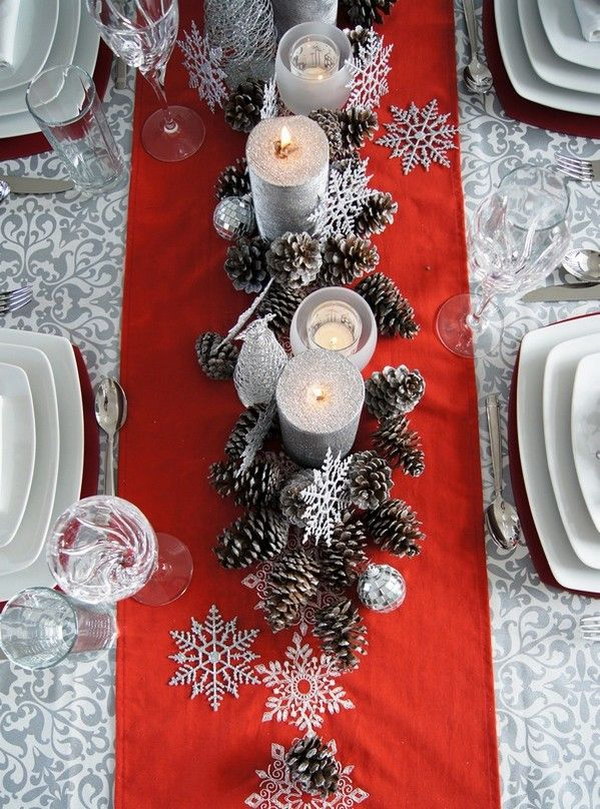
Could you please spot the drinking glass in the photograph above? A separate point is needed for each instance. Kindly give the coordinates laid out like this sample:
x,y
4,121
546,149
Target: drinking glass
x,y
64,102
39,627
518,235
143,33
103,549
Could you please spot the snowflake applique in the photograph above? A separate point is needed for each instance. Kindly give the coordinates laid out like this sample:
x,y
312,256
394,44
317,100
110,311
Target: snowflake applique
x,y
369,71
277,791
215,658
203,64
270,105
347,192
304,687
420,136
326,498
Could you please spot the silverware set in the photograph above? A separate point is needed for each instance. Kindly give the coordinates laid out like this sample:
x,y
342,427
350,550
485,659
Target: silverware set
x,y
477,75
501,517
110,406
577,168
14,299
584,267
590,627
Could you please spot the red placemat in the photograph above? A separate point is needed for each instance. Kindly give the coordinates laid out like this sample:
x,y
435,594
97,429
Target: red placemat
x,y
519,108
422,734
26,145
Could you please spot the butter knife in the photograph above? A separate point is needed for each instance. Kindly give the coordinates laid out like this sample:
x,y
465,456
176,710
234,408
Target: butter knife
x,y
36,185
564,292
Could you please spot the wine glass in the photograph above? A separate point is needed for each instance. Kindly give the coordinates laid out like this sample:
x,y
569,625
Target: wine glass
x,y
143,34
518,235
103,549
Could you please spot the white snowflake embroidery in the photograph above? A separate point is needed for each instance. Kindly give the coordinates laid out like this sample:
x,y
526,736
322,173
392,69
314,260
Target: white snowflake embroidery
x,y
420,136
369,71
326,498
203,64
304,687
347,192
270,105
276,790
214,658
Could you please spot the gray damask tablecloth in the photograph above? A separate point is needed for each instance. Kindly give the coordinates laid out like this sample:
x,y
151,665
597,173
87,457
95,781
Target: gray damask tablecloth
x,y
57,726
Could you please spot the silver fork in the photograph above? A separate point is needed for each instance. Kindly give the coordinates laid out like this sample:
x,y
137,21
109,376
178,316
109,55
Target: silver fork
x,y
590,627
13,299
578,168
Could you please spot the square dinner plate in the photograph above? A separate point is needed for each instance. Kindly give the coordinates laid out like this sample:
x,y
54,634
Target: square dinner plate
x,y
17,448
36,27
568,570
585,432
562,28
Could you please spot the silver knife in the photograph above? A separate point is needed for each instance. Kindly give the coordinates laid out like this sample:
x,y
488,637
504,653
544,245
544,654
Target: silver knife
x,y
564,292
36,185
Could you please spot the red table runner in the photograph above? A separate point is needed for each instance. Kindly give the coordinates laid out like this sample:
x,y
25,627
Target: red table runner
x,y
422,732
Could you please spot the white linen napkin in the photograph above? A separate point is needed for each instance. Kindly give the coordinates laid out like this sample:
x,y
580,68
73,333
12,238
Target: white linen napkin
x,y
588,12
9,15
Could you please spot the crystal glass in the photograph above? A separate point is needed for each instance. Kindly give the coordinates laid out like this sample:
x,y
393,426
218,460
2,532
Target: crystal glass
x,y
64,102
518,235
103,549
143,34
39,627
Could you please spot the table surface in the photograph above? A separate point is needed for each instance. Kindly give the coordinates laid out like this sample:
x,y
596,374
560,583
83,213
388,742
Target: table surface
x,y
57,725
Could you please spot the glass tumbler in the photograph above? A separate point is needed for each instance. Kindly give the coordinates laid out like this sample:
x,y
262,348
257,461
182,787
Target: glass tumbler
x,y
64,102
39,627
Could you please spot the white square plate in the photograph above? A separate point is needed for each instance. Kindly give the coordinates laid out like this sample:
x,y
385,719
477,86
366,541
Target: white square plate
x,y
562,28
36,27
585,432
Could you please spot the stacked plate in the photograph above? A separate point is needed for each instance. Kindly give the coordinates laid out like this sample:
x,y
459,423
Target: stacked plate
x,y
41,450
546,57
558,428
49,33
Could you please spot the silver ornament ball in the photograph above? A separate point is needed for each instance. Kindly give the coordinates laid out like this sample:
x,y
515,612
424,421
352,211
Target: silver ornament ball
x,y
233,217
381,588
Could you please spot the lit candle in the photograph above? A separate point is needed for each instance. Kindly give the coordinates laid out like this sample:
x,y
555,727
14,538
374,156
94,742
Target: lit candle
x,y
320,396
288,164
336,326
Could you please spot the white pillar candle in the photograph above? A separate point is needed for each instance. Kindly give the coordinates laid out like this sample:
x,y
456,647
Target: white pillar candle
x,y
288,163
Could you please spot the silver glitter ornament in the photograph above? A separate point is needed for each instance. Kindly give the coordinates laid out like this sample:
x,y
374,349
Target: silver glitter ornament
x,y
233,217
260,363
381,588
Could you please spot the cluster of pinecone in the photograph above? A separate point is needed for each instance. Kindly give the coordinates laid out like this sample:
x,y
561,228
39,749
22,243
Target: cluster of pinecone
x,y
313,766
346,130
367,12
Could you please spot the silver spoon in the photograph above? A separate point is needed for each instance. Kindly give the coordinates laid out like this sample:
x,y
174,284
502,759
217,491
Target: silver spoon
x,y
110,406
501,518
477,75
4,190
583,264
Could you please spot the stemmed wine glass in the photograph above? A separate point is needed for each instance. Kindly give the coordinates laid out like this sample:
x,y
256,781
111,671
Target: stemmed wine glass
x,y
103,549
518,235
143,34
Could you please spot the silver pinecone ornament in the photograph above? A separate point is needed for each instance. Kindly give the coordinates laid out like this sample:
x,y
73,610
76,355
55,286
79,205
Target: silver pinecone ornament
x,y
260,363
381,588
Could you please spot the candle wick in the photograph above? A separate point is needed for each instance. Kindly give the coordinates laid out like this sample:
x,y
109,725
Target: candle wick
x,y
283,150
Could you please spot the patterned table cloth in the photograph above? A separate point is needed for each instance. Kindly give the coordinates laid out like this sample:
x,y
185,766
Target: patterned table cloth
x,y
57,725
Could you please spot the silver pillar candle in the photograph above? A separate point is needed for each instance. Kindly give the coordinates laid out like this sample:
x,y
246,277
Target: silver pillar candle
x,y
320,396
287,182
292,12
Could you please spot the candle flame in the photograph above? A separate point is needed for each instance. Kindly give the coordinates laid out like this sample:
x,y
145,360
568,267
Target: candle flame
x,y
318,393
285,138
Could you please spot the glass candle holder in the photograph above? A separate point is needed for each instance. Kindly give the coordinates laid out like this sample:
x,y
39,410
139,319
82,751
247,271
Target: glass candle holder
x,y
335,326
313,87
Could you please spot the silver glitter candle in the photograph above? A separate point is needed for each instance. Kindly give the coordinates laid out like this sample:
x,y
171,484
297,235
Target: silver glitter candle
x,y
319,395
287,182
292,12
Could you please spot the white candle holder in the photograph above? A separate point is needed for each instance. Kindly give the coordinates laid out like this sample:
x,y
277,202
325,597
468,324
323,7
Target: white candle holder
x,y
293,12
311,91
367,342
334,326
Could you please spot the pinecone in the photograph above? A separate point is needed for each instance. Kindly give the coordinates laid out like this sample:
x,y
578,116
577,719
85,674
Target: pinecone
x,y
294,260
400,445
369,479
393,313
237,441
291,504
394,526
393,391
377,213
281,302
345,259
341,632
367,12
329,122
233,181
217,359
292,583
257,536
258,485
341,560
246,265
242,108
356,124
313,766
357,37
